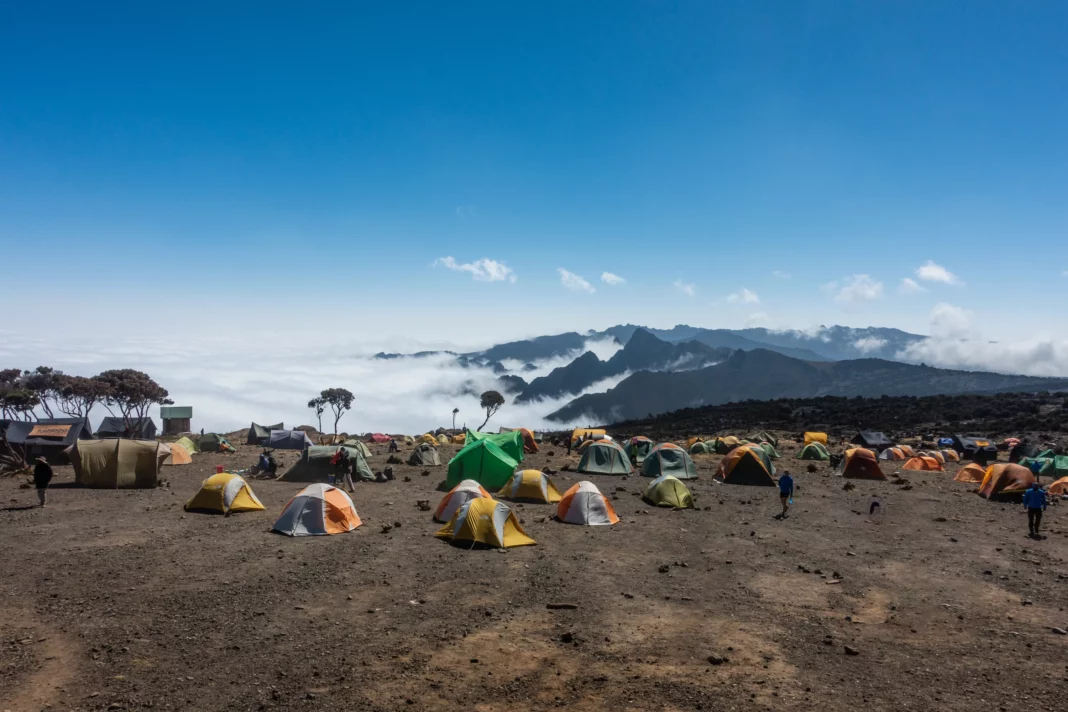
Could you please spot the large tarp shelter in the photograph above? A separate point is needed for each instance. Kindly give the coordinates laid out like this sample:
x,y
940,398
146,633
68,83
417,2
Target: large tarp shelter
x,y
136,429
604,457
763,436
974,448
511,442
117,463
259,434
288,440
48,437
315,465
483,462
669,459
872,439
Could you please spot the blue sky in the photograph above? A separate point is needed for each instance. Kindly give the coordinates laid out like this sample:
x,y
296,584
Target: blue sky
x,y
777,163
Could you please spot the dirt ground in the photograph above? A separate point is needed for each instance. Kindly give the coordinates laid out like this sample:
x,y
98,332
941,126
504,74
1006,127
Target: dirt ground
x,y
120,600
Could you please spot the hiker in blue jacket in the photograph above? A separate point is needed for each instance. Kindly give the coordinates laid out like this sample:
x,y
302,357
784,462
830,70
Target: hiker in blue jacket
x,y
786,491
1034,501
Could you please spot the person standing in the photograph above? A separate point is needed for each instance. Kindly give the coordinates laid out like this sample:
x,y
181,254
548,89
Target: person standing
x,y
42,476
786,491
1034,501
344,463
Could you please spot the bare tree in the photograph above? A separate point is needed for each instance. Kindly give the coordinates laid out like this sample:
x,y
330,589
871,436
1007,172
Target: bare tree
x,y
454,412
339,400
318,404
491,402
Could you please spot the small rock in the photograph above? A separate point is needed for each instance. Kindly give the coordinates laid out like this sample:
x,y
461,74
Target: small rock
x,y
561,606
664,569
1060,631
850,650
716,660
568,637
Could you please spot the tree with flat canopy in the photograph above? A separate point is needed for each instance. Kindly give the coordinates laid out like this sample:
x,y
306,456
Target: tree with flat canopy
x,y
491,402
133,393
339,400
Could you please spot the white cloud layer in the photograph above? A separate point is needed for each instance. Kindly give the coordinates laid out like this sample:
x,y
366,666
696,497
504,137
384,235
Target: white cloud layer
x,y
483,270
931,272
869,344
688,289
743,296
856,288
910,286
229,386
574,282
612,279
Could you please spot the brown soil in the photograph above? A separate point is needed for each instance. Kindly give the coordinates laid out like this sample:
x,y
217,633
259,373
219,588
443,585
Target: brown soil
x,y
120,600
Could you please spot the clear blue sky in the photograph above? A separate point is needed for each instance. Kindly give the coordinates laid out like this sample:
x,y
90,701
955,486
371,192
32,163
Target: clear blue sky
x,y
324,155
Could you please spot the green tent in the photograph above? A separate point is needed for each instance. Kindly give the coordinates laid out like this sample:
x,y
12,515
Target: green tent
x,y
358,445
189,445
764,437
770,449
213,442
259,434
483,462
1060,465
1045,455
511,443
638,449
1048,465
814,451
314,465
669,459
668,491
604,457
700,448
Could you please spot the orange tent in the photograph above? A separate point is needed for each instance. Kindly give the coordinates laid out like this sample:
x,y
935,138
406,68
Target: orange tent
x,y
907,449
935,454
950,456
1005,480
179,455
862,464
923,463
971,473
530,445
1060,487
893,453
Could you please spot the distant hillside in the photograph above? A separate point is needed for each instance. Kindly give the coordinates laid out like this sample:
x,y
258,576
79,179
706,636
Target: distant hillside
x,y
716,338
542,347
763,375
642,352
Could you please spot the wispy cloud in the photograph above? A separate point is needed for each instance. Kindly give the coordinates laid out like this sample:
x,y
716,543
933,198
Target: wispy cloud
x,y
856,288
779,274
574,282
612,279
483,270
931,272
950,321
688,289
869,344
743,296
910,286
756,319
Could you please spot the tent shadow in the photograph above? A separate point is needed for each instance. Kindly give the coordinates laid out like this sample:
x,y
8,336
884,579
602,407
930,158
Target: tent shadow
x,y
20,508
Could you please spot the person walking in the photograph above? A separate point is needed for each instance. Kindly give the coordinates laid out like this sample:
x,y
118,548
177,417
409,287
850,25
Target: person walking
x,y
786,492
42,476
344,463
1034,501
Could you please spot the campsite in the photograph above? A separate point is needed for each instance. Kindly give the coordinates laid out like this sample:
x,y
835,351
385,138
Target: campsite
x,y
122,599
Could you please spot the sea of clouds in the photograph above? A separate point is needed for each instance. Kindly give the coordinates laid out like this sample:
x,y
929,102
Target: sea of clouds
x,y
232,382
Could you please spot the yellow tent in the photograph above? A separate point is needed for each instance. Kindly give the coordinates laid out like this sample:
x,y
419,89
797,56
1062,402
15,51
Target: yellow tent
x,y
532,485
427,438
485,521
690,442
225,493
816,438
459,439
443,439
587,432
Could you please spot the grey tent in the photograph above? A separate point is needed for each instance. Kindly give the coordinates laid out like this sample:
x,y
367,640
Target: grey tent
x,y
288,440
258,434
424,455
138,428
872,440
314,465
978,449
48,437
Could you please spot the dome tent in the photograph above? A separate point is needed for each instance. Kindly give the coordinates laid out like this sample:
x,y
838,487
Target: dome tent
x,y
668,491
424,455
178,455
813,451
584,504
1005,481
485,521
224,493
603,457
483,462
315,465
318,510
530,486
747,465
669,459
456,497
638,449
861,463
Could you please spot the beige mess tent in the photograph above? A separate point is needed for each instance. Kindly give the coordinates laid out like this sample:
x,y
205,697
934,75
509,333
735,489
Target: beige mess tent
x,y
117,463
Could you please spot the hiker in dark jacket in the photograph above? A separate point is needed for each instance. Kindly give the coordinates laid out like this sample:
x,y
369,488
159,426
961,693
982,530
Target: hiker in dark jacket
x,y
42,475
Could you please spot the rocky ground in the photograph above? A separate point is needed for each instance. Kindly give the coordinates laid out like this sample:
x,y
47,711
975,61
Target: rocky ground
x,y
120,600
